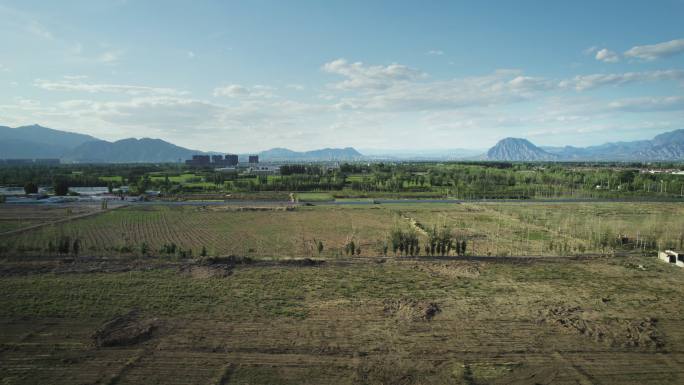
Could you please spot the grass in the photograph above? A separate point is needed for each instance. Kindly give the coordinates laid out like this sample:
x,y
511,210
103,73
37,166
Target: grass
x,y
315,197
112,178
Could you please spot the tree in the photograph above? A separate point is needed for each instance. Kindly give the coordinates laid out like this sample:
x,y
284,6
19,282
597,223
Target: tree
x,y
76,247
319,246
144,248
30,188
203,253
142,185
463,247
64,244
61,187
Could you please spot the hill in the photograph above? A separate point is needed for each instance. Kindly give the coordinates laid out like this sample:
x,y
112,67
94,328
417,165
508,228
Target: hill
x,y
325,154
130,150
517,149
38,142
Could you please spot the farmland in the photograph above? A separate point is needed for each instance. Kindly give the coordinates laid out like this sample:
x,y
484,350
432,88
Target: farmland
x,y
544,293
498,321
283,231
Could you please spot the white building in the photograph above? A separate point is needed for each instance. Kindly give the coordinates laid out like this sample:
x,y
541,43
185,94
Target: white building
x,y
670,256
263,169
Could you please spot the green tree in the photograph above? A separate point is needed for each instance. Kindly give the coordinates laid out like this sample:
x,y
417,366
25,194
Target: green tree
x,y
30,188
76,247
61,187
319,246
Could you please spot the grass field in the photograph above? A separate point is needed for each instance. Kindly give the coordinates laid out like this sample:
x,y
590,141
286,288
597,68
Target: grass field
x,y
273,232
18,217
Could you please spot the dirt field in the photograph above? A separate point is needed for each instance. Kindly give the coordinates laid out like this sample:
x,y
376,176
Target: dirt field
x,y
362,321
251,314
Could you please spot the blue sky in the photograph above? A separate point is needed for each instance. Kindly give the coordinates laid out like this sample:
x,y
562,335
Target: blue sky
x,y
250,75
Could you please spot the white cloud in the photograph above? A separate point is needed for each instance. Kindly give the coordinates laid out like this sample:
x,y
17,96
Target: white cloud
x,y
238,91
232,91
500,87
668,103
75,84
586,82
360,76
656,51
110,57
39,30
296,87
608,56
435,52
591,50
191,55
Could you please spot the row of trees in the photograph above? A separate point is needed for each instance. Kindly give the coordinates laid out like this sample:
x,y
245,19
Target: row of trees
x,y
440,241
466,179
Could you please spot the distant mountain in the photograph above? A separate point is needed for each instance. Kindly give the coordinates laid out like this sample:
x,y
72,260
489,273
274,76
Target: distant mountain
x,y
130,150
32,142
326,154
668,146
516,149
38,142
663,147
421,154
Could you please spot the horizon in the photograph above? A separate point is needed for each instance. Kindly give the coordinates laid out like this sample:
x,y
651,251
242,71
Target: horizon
x,y
420,152
436,77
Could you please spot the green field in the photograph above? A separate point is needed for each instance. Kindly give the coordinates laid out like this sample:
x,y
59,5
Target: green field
x,y
314,197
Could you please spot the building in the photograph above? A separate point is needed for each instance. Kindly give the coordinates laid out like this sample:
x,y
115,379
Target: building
x,y
264,170
217,159
254,159
670,256
199,160
227,170
231,160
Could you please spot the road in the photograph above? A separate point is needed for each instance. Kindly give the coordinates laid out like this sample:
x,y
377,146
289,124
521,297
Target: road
x,y
113,204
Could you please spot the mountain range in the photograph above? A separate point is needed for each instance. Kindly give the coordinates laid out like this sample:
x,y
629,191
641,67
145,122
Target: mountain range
x,y
34,142
37,142
668,146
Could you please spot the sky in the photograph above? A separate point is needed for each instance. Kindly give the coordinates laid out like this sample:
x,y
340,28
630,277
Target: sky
x,y
240,76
